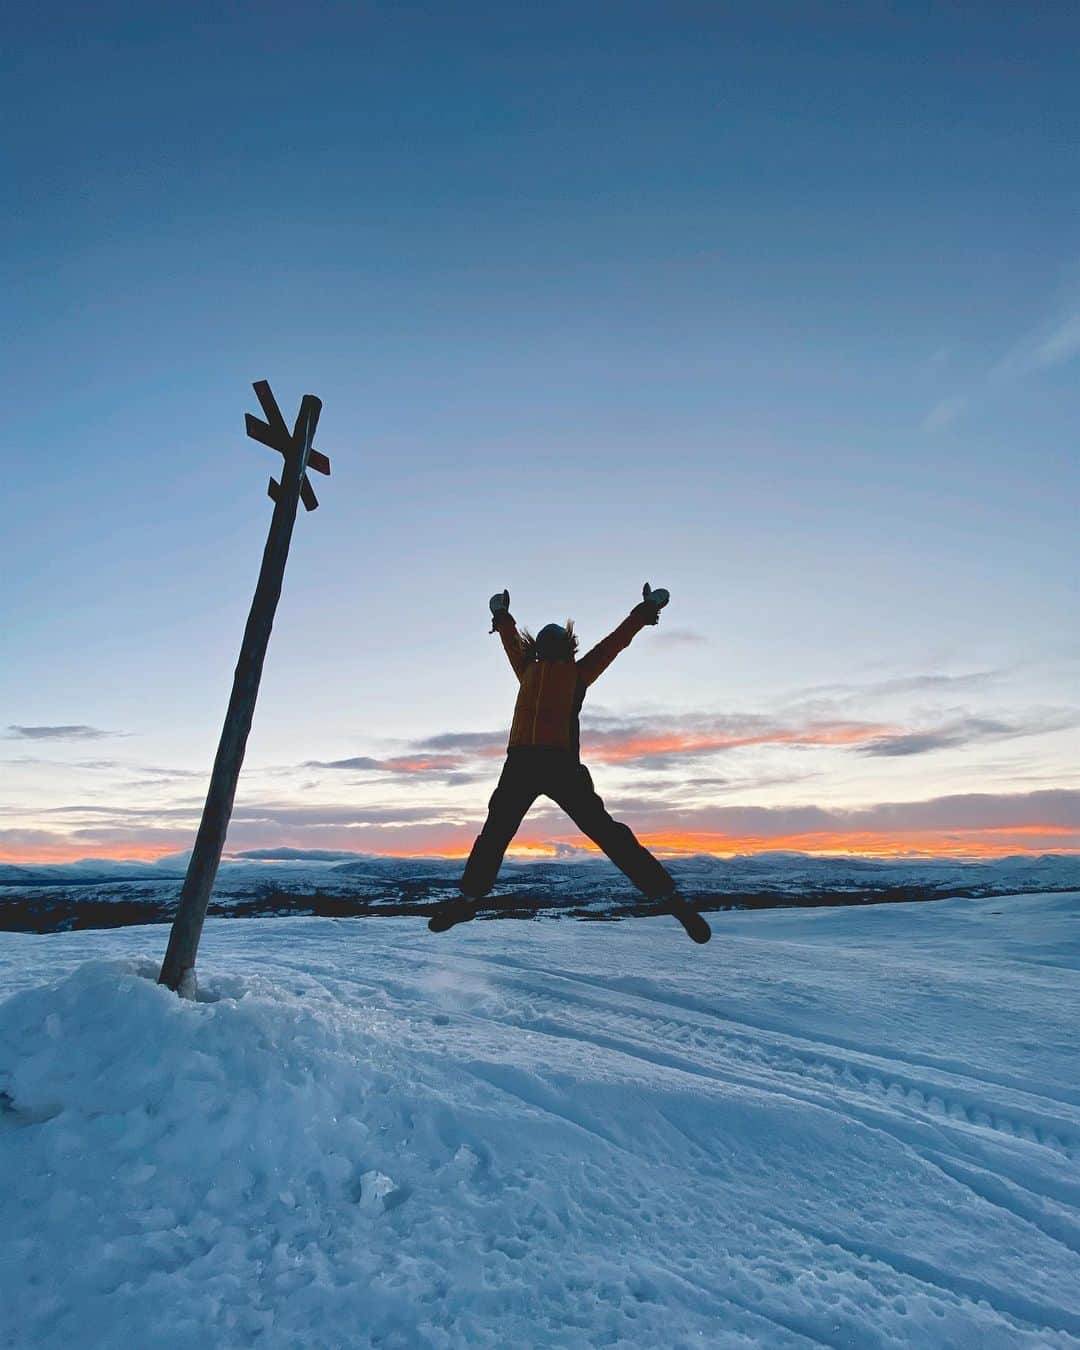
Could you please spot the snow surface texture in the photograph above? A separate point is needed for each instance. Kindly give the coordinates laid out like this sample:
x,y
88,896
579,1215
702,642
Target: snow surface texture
x,y
843,1127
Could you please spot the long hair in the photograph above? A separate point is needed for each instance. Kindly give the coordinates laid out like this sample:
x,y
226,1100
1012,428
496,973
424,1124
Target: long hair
x,y
528,643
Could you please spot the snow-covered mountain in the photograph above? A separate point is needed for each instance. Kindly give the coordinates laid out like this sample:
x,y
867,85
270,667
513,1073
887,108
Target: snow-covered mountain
x,y
100,894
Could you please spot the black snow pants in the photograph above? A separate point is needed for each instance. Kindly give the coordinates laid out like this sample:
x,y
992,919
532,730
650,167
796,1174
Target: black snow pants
x,y
532,772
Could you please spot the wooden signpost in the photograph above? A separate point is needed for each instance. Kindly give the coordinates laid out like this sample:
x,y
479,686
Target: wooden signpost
x,y
299,455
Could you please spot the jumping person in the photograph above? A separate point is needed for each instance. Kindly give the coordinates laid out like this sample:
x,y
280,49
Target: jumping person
x,y
544,759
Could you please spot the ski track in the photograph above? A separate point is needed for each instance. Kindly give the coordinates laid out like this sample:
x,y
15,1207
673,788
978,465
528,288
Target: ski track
x,y
972,1145
926,1105
638,989
929,1111
794,1062
787,1065
862,1086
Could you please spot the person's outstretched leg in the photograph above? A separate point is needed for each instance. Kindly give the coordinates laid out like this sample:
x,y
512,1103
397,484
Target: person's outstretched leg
x,y
577,796
515,793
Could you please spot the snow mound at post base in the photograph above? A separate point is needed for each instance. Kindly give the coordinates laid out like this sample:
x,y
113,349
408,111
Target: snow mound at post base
x,y
461,1159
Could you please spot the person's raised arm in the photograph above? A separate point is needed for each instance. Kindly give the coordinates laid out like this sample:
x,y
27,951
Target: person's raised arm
x,y
593,664
502,622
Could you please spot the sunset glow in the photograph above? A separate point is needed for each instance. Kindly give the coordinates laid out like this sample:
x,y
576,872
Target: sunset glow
x,y
996,842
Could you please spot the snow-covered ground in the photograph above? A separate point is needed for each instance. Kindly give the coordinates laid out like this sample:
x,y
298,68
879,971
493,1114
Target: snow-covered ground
x,y
846,1127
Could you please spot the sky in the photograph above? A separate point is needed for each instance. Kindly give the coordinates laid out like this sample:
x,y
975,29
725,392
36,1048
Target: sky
x,y
776,306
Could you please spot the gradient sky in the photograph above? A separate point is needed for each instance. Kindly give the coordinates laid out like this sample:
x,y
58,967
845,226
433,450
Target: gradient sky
x,y
777,306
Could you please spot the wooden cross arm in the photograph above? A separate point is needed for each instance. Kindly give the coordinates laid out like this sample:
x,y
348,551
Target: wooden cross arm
x,y
271,411
281,441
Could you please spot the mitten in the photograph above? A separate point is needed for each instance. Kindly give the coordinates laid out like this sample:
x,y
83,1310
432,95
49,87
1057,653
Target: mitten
x,y
499,604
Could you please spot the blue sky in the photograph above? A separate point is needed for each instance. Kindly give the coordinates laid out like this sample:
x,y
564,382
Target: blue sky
x,y
777,306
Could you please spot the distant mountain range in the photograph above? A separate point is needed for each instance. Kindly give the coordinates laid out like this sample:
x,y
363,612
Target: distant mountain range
x,y
102,894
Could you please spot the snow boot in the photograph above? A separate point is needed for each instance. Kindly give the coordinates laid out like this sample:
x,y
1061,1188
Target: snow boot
x,y
455,911
691,920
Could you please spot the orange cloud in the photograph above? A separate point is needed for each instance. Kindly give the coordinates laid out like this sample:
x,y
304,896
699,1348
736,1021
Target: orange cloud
x,y
620,749
422,763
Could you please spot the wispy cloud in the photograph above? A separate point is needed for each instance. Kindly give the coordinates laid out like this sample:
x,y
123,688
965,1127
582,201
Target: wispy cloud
x,y
898,684
967,731
445,768
1055,348
188,809
296,855
972,824
477,742
679,774
653,742
65,732
821,718
156,771
1057,809
1050,348
614,739
657,742
681,637
944,413
346,814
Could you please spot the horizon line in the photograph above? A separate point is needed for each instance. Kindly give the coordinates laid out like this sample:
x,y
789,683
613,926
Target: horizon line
x,y
895,851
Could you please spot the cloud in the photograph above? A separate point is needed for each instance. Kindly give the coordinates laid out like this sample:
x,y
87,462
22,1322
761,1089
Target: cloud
x,y
409,764
1057,808
961,825
664,740
475,742
338,814
683,769
140,843
254,823
944,413
67,732
32,843
296,855
966,731
1043,351
898,684
679,637
1055,348
1053,809
399,764
568,852
688,785
180,810
155,773
357,762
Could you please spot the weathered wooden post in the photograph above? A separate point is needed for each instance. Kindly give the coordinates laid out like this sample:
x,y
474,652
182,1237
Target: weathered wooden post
x,y
178,969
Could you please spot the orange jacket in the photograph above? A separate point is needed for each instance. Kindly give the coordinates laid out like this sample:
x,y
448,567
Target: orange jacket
x,y
551,693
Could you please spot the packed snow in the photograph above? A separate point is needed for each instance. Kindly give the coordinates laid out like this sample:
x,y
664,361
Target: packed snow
x,y
848,1127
